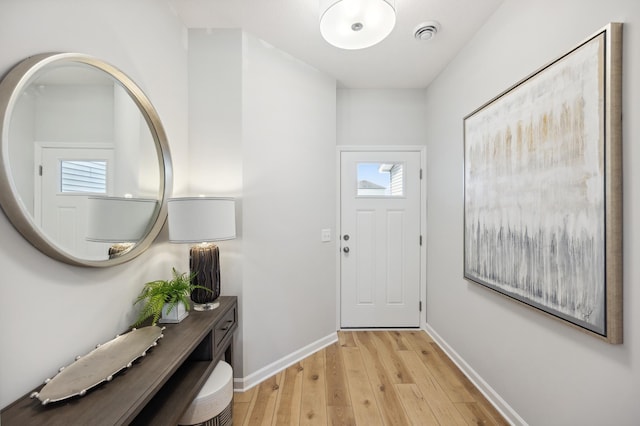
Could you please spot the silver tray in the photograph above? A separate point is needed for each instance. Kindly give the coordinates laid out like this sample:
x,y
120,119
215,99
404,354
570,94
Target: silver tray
x,y
99,365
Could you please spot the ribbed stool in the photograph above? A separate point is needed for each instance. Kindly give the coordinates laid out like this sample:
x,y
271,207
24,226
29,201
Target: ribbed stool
x,y
213,405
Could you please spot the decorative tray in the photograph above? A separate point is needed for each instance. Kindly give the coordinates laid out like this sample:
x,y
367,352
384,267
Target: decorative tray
x,y
99,365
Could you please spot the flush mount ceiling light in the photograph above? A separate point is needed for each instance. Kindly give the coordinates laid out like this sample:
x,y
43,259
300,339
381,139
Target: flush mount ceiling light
x,y
356,24
426,30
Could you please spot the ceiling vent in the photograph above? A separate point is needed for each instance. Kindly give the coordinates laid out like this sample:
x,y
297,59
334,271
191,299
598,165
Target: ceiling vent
x,y
426,30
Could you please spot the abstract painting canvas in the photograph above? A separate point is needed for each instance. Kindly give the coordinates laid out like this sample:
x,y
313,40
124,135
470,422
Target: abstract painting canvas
x,y
542,189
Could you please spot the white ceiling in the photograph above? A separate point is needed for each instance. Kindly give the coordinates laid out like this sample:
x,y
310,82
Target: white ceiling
x,y
399,61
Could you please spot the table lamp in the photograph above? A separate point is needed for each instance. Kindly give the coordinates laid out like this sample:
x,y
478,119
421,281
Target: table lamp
x,y
201,220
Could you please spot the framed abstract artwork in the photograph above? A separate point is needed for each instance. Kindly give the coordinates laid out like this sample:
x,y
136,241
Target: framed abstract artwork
x,y
543,189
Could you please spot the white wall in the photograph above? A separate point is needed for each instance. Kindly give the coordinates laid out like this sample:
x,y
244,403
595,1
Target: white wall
x,y
215,144
215,111
549,373
289,171
52,312
262,128
381,117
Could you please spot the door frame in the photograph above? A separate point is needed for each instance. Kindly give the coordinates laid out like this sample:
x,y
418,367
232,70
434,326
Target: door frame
x,y
423,219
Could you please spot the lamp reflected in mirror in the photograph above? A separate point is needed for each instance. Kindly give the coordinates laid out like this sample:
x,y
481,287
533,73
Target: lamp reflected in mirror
x,y
201,221
122,221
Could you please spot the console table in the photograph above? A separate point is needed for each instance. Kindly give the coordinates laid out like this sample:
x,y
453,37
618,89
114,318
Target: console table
x,y
156,389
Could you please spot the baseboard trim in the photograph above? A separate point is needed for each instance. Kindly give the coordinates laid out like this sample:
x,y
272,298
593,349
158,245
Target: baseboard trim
x,y
492,396
245,383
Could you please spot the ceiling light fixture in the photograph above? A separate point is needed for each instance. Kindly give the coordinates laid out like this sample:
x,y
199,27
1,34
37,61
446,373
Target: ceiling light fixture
x,y
426,30
356,24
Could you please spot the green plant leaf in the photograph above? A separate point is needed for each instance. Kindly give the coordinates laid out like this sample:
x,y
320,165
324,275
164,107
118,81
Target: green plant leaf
x,y
155,294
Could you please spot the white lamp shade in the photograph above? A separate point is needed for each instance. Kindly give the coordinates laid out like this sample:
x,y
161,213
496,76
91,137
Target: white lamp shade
x,y
119,220
201,219
356,24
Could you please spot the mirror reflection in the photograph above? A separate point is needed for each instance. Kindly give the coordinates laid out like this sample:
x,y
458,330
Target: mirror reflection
x,y
84,161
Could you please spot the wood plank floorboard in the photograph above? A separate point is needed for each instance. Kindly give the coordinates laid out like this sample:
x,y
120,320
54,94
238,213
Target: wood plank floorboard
x,y
289,397
368,378
314,391
386,395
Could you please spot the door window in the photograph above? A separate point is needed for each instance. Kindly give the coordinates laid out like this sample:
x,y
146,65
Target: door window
x,y
380,179
83,176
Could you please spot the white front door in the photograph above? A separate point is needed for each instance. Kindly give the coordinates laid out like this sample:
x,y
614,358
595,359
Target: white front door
x,y
380,196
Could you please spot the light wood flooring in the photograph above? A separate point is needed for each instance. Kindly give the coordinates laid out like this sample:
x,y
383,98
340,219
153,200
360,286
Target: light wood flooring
x,y
368,378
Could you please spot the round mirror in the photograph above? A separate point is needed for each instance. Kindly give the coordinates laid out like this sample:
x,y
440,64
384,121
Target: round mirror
x,y
85,170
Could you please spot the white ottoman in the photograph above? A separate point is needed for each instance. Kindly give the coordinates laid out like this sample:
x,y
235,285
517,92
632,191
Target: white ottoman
x,y
213,405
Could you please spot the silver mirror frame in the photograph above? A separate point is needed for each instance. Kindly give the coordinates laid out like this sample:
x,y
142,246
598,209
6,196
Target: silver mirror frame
x,y
13,83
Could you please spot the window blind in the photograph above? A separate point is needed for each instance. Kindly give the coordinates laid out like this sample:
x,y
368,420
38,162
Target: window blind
x,y
83,176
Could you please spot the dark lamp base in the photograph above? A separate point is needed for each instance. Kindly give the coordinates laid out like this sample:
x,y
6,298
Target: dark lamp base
x,y
204,264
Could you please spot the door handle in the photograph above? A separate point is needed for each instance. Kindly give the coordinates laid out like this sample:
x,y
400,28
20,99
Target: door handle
x,y
346,249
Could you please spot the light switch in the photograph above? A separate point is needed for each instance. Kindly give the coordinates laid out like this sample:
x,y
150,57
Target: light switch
x,y
325,235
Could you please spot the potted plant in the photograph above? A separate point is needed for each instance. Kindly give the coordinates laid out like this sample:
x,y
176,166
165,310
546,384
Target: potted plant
x,y
167,299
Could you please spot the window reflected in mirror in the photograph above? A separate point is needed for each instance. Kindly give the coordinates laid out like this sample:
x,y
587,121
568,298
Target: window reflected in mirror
x,y
83,176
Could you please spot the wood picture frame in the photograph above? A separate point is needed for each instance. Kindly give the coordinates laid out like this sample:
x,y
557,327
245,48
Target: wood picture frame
x,y
543,188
